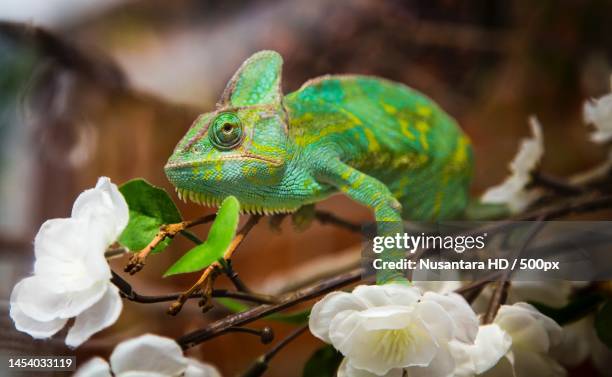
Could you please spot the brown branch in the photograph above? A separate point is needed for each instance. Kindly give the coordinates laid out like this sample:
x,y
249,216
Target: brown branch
x,y
329,218
137,261
130,294
220,327
556,184
259,367
501,292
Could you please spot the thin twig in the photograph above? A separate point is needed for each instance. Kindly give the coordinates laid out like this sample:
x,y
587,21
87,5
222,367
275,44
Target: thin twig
x,y
266,335
239,319
259,367
556,184
329,218
130,294
229,271
501,292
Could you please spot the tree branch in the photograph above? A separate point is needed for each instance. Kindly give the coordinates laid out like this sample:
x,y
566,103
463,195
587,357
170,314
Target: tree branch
x,y
220,327
259,367
128,293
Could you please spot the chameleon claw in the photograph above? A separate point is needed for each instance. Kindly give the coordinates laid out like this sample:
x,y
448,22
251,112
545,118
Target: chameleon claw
x,y
276,221
135,264
204,285
206,288
395,204
175,308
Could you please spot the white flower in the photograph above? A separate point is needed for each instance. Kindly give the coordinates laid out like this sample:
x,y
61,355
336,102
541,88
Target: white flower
x,y
513,191
147,356
386,330
581,342
598,112
71,276
533,337
491,344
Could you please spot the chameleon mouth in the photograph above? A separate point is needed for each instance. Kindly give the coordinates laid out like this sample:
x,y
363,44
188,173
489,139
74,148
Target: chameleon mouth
x,y
245,208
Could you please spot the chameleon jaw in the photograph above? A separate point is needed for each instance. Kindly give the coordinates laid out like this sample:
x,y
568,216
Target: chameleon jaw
x,y
211,201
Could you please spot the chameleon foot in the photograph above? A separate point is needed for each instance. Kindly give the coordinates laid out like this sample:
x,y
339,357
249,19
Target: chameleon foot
x,y
135,264
204,285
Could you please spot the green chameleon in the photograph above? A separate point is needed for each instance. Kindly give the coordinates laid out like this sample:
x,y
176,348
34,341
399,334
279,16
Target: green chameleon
x,y
381,143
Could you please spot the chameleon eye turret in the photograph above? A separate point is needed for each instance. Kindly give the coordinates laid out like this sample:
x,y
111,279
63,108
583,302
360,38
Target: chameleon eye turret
x,y
226,131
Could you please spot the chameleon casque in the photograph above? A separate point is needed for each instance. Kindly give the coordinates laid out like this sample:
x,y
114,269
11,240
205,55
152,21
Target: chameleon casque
x,y
381,143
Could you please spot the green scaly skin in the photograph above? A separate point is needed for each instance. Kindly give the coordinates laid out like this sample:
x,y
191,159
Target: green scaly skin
x,y
381,143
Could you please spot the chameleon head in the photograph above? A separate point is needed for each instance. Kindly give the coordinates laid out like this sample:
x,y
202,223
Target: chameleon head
x,y
239,148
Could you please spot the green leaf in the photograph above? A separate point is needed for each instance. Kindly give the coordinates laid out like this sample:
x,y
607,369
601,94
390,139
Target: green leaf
x,y
324,362
150,207
577,308
294,318
603,323
220,236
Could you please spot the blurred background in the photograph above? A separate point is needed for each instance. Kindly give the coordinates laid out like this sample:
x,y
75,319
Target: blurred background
x,y
124,79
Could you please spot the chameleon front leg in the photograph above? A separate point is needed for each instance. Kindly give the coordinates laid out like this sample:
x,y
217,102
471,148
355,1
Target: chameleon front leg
x,y
374,194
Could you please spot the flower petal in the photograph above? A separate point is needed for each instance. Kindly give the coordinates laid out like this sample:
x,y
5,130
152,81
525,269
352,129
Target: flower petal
x,y
149,353
381,339
105,204
196,368
491,344
388,294
98,317
528,363
598,112
347,370
96,367
441,366
461,313
577,344
436,319
24,323
324,311
36,300
513,190
60,238
528,327
69,254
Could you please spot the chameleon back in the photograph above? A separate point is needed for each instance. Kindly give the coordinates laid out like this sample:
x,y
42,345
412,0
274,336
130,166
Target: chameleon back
x,y
390,132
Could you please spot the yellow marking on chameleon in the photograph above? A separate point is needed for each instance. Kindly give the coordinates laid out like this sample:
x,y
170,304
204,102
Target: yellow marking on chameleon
x,y
405,129
358,182
308,139
351,116
389,108
219,170
423,110
307,183
346,174
461,155
269,150
373,145
446,173
423,129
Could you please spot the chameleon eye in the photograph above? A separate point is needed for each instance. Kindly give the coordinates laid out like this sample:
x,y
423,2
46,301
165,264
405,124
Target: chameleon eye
x,y
226,131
